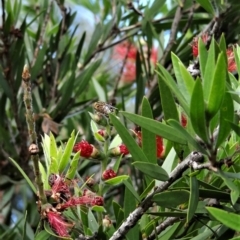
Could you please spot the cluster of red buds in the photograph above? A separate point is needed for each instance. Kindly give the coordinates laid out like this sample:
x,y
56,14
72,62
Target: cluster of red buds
x,y
62,199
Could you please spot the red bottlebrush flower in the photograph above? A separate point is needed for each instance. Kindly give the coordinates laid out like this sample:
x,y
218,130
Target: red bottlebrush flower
x,y
86,149
58,224
84,200
126,52
120,150
195,43
183,120
232,66
108,174
59,187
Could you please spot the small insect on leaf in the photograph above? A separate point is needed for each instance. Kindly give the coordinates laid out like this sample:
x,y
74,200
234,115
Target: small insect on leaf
x,y
104,108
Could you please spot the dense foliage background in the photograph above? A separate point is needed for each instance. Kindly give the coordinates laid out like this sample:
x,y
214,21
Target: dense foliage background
x,y
169,72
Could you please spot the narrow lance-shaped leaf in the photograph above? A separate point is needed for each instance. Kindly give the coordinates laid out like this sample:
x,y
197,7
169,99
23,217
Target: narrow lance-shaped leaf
x,y
167,100
53,155
167,78
148,138
206,4
152,170
209,73
193,200
171,198
229,219
217,88
197,112
67,153
226,116
156,127
73,166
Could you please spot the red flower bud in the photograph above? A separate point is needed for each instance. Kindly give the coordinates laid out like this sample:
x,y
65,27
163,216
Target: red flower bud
x,y
86,150
108,174
120,150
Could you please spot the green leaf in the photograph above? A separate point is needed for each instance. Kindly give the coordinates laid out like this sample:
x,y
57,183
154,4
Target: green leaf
x,y
154,9
79,48
53,155
185,81
152,170
24,175
116,180
171,199
43,235
73,166
117,164
193,200
148,189
115,142
81,82
128,184
148,138
235,128
229,219
94,41
197,112
167,100
156,127
234,189
167,78
98,209
217,88
226,116
67,153
184,133
130,142
209,70
206,4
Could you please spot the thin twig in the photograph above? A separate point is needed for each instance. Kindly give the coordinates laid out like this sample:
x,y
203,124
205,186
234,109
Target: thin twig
x,y
134,216
40,40
137,11
158,20
173,33
166,223
190,18
33,148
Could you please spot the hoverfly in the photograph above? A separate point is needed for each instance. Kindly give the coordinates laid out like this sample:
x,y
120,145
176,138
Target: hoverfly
x,y
104,108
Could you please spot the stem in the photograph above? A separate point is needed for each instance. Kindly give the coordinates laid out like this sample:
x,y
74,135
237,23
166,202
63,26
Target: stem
x,y
33,148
